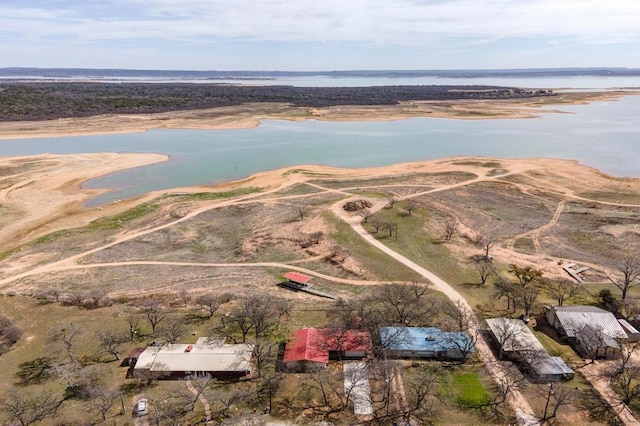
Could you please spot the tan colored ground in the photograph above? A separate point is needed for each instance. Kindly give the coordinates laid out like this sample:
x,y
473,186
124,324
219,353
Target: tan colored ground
x,y
250,115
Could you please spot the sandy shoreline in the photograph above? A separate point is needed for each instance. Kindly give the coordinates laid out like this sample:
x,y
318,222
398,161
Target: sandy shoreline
x,y
250,115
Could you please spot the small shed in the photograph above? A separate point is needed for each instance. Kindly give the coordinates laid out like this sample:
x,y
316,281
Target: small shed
x,y
632,332
297,278
544,369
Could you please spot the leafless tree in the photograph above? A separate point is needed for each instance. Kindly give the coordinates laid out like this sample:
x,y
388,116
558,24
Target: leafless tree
x,y
391,201
154,311
391,227
409,207
592,340
9,333
507,334
526,296
172,330
376,223
211,302
488,240
407,304
65,337
562,290
184,296
422,388
27,409
450,228
484,267
133,320
505,288
111,342
93,297
557,396
627,275
366,214
461,316
302,211
104,399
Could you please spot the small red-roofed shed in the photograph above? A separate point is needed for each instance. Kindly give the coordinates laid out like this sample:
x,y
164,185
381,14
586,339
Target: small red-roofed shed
x,y
297,278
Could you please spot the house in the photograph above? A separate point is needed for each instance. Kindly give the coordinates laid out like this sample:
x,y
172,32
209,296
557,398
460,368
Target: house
x,y
425,342
593,331
517,342
204,358
310,349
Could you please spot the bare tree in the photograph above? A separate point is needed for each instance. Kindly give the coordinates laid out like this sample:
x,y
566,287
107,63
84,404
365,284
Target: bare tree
x,y
366,214
184,296
133,320
461,316
505,288
562,290
211,302
557,396
65,337
391,201
526,296
407,304
29,409
450,228
302,211
172,330
488,240
628,274
154,311
592,341
484,267
9,333
409,207
93,297
376,223
111,342
422,388
507,334
104,399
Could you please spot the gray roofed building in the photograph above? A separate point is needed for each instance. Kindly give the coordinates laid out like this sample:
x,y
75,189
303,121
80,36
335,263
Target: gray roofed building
x,y
518,343
513,334
200,359
571,319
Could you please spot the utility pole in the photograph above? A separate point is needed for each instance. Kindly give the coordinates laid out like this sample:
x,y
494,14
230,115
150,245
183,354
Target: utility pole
x,y
546,405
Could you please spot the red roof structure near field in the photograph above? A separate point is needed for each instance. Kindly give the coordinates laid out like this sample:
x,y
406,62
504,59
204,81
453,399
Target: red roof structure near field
x,y
297,278
311,344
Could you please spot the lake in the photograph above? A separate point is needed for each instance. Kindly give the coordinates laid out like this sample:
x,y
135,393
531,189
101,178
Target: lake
x,y
605,135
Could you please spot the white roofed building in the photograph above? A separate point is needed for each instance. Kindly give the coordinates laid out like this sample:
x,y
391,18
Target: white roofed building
x,y
203,358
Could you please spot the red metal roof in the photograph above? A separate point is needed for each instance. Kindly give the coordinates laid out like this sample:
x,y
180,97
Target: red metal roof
x,y
296,277
304,346
310,344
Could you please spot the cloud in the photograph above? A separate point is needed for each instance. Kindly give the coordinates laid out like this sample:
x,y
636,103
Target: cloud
x,y
402,22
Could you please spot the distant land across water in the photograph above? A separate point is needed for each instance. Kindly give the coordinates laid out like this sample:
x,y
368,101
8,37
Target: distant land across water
x,y
18,73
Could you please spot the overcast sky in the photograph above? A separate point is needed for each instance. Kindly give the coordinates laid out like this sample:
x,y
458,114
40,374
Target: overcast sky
x,y
319,34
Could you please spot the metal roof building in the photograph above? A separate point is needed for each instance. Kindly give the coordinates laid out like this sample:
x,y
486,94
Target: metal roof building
x,y
513,334
571,319
521,345
425,342
203,358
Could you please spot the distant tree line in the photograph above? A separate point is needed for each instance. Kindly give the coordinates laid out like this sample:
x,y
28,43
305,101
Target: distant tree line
x,y
49,101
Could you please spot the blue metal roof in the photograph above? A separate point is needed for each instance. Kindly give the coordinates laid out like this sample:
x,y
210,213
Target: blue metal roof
x,y
422,339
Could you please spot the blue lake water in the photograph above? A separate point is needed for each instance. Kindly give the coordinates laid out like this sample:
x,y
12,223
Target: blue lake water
x,y
605,135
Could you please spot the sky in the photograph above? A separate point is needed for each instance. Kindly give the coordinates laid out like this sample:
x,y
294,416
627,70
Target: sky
x,y
319,35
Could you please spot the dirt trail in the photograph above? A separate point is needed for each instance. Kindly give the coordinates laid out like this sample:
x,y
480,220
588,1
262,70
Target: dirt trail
x,y
535,233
